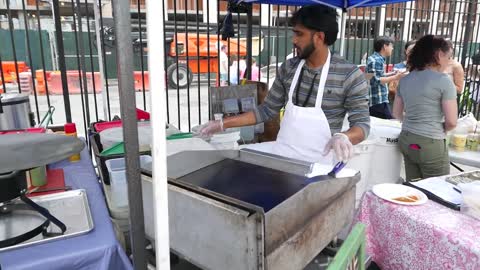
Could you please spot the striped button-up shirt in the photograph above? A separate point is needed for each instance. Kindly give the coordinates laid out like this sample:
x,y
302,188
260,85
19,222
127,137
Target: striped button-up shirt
x,y
346,91
378,91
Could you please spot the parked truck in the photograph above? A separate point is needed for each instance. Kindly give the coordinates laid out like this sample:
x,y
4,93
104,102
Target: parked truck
x,y
190,54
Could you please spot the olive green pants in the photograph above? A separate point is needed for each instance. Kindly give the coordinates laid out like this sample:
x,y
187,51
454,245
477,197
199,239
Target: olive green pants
x,y
424,157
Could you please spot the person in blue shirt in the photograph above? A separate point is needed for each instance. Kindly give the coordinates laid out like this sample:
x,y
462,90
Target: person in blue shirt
x,y
408,47
383,47
399,67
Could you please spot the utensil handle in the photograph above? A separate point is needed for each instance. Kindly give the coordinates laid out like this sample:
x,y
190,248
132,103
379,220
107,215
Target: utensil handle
x,y
9,175
337,168
44,212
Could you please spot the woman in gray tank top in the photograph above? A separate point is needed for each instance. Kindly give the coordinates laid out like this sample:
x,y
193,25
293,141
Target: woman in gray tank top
x,y
426,103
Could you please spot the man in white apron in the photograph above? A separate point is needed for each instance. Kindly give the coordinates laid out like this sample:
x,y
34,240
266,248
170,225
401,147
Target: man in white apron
x,y
317,89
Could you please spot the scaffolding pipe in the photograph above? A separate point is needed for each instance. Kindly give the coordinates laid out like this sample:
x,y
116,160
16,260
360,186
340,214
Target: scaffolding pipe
x,y
61,59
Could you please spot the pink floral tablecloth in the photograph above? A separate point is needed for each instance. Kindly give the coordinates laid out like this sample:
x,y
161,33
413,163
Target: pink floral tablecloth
x,y
428,236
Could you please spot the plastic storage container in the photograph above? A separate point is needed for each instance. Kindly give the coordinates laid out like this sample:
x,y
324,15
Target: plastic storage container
x,y
112,136
458,141
118,180
26,82
471,200
472,141
226,140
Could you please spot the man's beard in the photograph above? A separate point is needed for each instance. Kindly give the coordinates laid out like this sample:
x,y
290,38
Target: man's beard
x,y
306,52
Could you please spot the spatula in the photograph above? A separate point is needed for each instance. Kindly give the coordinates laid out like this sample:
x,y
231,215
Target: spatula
x,y
332,174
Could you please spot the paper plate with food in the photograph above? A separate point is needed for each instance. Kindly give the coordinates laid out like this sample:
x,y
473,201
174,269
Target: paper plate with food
x,y
400,194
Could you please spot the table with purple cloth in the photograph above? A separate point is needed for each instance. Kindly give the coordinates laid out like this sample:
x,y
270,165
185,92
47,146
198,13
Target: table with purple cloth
x,y
97,249
428,236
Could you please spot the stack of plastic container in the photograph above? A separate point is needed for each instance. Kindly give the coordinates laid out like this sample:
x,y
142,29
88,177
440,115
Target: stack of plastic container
x,y
118,179
26,82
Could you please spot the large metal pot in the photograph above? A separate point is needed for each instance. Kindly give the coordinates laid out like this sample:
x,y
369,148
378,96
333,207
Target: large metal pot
x,y
15,112
12,184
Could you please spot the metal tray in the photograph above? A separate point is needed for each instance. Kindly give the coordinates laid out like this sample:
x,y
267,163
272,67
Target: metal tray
x,y
465,177
70,207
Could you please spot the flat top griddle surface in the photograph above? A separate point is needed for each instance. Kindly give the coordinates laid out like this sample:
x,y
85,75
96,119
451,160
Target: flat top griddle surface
x,y
247,182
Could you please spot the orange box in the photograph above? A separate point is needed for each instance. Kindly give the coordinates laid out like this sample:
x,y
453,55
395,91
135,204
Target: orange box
x,y
40,81
8,68
137,79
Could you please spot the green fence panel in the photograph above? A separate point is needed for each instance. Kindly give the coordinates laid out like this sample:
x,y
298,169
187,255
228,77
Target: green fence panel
x,y
70,44
21,52
277,44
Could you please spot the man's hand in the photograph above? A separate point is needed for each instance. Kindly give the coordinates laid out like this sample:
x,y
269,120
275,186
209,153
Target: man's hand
x,y
341,145
401,75
210,128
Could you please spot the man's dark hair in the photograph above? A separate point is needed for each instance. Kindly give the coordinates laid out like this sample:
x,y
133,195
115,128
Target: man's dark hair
x,y
410,42
318,18
380,41
425,52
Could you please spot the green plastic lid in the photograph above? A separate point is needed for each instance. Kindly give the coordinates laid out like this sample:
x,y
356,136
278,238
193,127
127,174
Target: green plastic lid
x,y
118,148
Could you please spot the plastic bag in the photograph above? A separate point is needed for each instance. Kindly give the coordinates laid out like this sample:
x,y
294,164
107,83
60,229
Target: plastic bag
x,y
466,124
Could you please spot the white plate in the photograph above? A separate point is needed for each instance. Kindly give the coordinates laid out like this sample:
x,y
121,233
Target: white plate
x,y
390,191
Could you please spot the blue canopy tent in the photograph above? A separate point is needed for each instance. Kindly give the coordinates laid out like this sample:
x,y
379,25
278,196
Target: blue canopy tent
x,y
347,4
342,4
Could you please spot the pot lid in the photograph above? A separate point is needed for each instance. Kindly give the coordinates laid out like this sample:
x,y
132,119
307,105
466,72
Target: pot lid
x,y
12,97
28,150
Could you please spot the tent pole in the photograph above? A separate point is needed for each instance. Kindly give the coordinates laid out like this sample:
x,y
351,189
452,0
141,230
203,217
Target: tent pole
x,y
342,32
123,43
248,74
158,105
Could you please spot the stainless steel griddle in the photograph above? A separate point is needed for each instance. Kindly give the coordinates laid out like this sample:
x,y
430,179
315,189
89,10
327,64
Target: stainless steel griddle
x,y
249,210
250,183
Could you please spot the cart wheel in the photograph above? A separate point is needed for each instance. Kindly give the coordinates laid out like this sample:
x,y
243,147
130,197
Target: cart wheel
x,y
184,78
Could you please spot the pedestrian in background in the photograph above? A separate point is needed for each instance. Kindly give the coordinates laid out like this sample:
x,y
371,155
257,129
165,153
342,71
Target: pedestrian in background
x,y
454,70
383,47
399,67
223,66
255,71
426,103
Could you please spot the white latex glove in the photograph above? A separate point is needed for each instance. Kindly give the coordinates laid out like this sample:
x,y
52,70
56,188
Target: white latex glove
x,y
341,145
211,128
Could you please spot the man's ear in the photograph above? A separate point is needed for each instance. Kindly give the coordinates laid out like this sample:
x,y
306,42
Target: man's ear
x,y
437,56
320,37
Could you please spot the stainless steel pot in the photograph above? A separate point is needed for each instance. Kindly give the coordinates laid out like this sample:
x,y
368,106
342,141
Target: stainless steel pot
x,y
15,112
12,185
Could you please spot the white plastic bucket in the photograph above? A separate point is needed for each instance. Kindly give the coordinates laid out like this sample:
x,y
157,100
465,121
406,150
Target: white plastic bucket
x,y
387,159
362,161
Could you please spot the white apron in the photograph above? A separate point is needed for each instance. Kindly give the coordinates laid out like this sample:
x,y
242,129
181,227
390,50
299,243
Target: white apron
x,y
304,131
